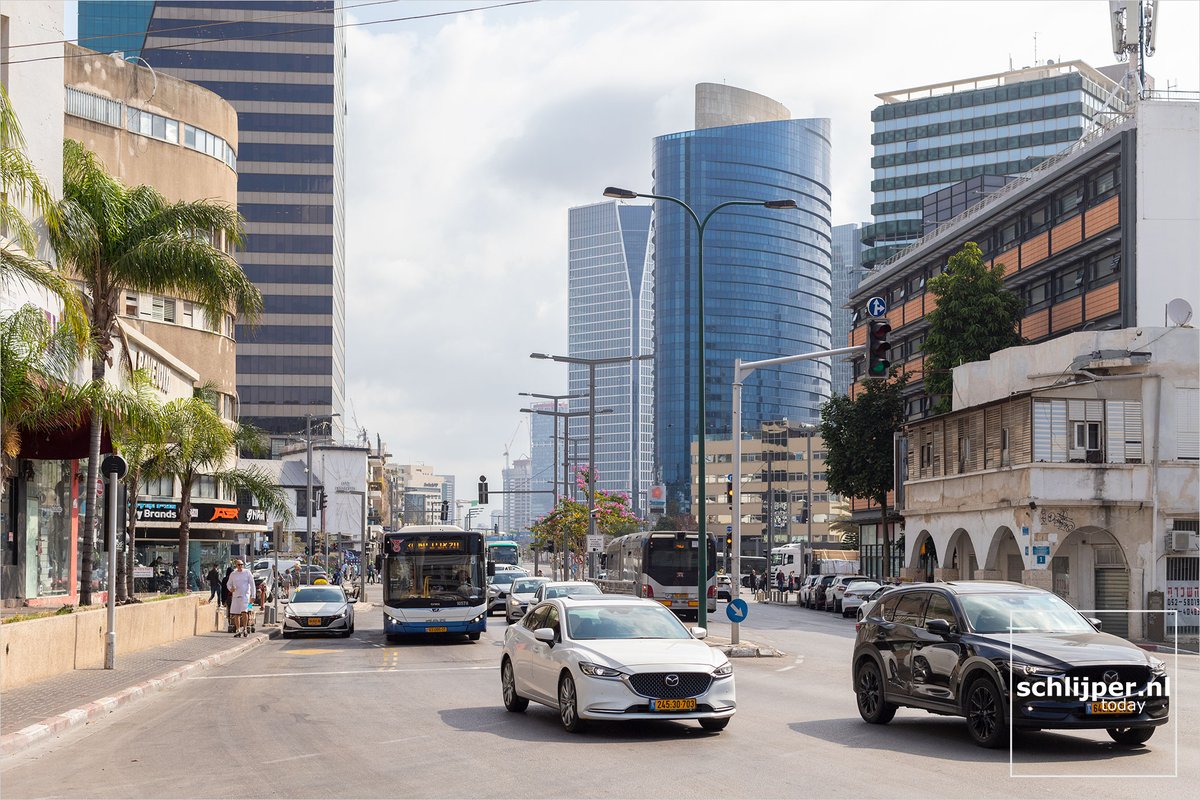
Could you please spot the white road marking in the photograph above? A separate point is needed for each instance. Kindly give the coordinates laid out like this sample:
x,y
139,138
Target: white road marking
x,y
338,672
291,758
785,669
405,739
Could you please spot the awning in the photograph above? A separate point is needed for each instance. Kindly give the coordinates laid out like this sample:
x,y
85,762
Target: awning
x,y
63,443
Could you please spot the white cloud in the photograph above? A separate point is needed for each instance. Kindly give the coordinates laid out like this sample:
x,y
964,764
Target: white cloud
x,y
470,136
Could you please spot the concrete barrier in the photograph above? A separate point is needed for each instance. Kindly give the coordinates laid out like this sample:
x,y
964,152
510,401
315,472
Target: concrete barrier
x,y
37,649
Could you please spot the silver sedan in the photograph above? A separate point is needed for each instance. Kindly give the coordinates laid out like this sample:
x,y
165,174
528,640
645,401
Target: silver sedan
x,y
319,609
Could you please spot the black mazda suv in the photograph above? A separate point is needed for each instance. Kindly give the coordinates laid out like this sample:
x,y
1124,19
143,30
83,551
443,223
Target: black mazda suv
x,y
991,651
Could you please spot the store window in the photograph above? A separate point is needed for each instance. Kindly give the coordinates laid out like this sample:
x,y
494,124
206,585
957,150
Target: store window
x,y
48,528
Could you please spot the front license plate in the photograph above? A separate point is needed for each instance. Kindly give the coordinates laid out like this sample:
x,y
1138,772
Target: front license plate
x,y
314,620
1112,707
436,629
688,704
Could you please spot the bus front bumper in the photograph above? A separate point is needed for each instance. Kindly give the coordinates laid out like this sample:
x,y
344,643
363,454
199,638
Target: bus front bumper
x,y
393,626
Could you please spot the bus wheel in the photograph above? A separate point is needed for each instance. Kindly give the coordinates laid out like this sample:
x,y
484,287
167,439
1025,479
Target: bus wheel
x,y
474,636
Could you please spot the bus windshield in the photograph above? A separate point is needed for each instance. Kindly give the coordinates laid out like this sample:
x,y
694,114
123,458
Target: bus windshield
x,y
673,561
422,570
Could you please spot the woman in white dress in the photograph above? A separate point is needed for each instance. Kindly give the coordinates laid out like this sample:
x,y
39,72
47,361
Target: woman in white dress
x,y
241,587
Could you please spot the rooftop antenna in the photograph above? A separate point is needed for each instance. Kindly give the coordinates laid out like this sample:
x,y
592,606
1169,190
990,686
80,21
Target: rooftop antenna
x,y
1134,32
1035,61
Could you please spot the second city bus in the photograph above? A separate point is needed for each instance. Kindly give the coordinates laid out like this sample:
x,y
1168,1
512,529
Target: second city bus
x,y
662,565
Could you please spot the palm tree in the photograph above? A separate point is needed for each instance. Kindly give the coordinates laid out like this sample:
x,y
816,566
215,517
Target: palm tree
x,y
201,445
138,439
117,238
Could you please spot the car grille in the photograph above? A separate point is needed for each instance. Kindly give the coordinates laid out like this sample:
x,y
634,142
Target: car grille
x,y
654,684
1127,673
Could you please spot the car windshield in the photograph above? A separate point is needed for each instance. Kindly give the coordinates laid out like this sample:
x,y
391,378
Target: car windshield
x,y
1025,612
505,578
319,594
526,587
574,588
624,622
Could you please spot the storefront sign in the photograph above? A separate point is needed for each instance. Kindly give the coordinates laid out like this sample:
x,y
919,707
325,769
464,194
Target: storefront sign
x,y
202,513
1183,597
160,374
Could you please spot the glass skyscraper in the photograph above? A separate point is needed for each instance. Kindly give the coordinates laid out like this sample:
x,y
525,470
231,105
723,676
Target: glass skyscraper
x,y
543,469
930,137
610,313
847,248
767,272
280,64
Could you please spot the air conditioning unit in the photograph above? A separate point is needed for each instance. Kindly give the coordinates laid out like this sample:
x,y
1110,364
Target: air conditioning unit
x,y
1077,454
1181,541
1095,457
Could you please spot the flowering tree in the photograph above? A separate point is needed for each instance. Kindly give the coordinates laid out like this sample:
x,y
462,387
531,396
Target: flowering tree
x,y
570,517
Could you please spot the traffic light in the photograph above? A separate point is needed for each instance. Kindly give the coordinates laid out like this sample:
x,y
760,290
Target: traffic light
x,y
729,543
324,500
878,346
445,510
483,490
729,490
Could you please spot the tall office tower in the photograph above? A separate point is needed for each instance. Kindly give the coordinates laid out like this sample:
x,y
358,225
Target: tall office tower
x,y
545,467
928,138
517,515
280,64
448,496
766,272
610,314
844,262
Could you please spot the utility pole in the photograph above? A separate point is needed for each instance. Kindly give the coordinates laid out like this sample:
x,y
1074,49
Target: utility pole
x,y
308,495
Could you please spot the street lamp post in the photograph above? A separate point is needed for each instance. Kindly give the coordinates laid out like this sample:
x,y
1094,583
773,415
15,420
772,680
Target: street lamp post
x,y
591,364
701,226
308,494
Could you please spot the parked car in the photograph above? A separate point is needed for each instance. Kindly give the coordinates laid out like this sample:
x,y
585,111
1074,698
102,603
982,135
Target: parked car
x,y
820,591
724,587
614,657
319,609
870,602
833,595
856,594
980,649
804,593
519,595
498,588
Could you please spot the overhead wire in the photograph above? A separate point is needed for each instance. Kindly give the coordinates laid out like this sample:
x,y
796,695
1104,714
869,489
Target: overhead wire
x,y
285,33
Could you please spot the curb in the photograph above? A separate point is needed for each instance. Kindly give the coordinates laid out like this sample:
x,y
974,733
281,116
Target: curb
x,y
747,650
25,738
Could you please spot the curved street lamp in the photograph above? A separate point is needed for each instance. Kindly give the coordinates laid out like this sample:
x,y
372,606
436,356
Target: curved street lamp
x,y
701,224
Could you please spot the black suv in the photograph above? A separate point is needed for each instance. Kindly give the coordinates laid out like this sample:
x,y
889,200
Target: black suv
x,y
977,649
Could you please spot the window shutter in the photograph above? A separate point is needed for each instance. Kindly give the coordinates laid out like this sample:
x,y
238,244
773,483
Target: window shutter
x,y
1114,433
1187,429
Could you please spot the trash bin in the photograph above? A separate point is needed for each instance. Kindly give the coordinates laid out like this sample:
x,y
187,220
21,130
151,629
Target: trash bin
x,y
1156,626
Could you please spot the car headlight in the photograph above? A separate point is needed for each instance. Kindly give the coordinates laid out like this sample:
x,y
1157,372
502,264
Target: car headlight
x,y
723,671
1029,669
1158,667
598,671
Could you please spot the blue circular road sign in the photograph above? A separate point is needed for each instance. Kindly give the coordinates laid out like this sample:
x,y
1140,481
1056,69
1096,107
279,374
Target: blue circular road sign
x,y
876,306
737,610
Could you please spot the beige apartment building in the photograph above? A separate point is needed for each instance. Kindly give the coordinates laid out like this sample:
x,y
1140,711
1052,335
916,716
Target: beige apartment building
x,y
784,460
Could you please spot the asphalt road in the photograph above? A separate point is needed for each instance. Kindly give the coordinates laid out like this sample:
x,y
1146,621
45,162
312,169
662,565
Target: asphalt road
x,y
362,718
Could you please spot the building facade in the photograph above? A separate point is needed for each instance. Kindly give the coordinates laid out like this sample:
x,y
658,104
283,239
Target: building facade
x,y
767,272
545,456
610,314
927,138
1083,481
845,271
291,107
517,515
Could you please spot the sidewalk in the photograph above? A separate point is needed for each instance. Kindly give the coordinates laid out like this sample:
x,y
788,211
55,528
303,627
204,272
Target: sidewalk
x,y
31,713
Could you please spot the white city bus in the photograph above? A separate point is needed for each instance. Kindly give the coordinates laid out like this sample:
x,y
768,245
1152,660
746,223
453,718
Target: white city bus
x,y
662,565
434,581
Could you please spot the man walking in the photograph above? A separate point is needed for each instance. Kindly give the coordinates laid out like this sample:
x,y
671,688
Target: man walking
x,y
214,584
241,589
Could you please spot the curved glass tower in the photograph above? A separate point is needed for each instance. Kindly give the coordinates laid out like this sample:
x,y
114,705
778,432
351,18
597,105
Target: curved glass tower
x,y
767,273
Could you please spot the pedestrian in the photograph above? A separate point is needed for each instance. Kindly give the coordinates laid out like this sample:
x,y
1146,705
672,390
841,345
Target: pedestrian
x,y
214,584
753,585
285,582
225,593
241,588
779,580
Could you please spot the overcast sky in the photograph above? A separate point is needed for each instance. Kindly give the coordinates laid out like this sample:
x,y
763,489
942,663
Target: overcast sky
x,y
469,137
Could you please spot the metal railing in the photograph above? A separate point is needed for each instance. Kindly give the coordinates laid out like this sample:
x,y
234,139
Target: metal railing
x,y
1102,132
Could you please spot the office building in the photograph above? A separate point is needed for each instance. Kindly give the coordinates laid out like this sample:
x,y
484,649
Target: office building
x,y
516,515
284,76
846,248
927,138
545,457
767,272
610,314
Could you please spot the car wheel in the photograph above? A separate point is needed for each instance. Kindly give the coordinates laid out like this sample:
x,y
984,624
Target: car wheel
x,y
508,685
714,725
473,636
568,704
868,689
286,635
861,615
1131,735
845,613
985,713
346,633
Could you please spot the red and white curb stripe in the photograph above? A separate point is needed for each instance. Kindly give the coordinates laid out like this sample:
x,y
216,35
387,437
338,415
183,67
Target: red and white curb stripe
x,y
11,743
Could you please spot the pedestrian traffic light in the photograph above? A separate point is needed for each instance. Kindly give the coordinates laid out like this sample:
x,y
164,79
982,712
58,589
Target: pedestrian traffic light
x,y
445,510
483,490
324,500
878,346
729,490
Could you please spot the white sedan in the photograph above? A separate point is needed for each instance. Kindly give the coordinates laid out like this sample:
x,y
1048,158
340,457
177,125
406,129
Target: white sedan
x,y
856,594
318,609
614,657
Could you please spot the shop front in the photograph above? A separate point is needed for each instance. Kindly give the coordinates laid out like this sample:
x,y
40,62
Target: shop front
x,y
219,532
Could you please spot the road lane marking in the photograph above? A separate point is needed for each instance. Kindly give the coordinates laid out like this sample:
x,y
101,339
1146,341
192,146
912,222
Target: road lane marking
x,y
785,669
309,651
337,672
290,758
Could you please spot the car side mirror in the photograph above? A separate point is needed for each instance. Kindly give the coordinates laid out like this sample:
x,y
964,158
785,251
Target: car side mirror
x,y
1097,624
938,627
545,635
699,633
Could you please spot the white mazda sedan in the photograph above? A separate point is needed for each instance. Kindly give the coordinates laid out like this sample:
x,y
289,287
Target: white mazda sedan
x,y
614,657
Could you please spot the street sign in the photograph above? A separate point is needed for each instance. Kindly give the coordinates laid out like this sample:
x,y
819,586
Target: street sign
x,y
595,543
737,610
729,529
876,306
1041,550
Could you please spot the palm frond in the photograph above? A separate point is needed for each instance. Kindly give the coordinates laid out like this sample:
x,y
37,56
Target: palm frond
x,y
175,262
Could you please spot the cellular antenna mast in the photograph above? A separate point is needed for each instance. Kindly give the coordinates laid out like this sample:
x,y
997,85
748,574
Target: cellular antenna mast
x,y
1135,25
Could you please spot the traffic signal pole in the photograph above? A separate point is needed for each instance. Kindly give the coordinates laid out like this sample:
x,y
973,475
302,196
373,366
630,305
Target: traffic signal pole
x,y
740,372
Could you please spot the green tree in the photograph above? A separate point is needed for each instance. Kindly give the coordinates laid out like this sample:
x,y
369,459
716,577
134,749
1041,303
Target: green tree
x,y
115,239
858,434
200,443
570,518
139,439
975,316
